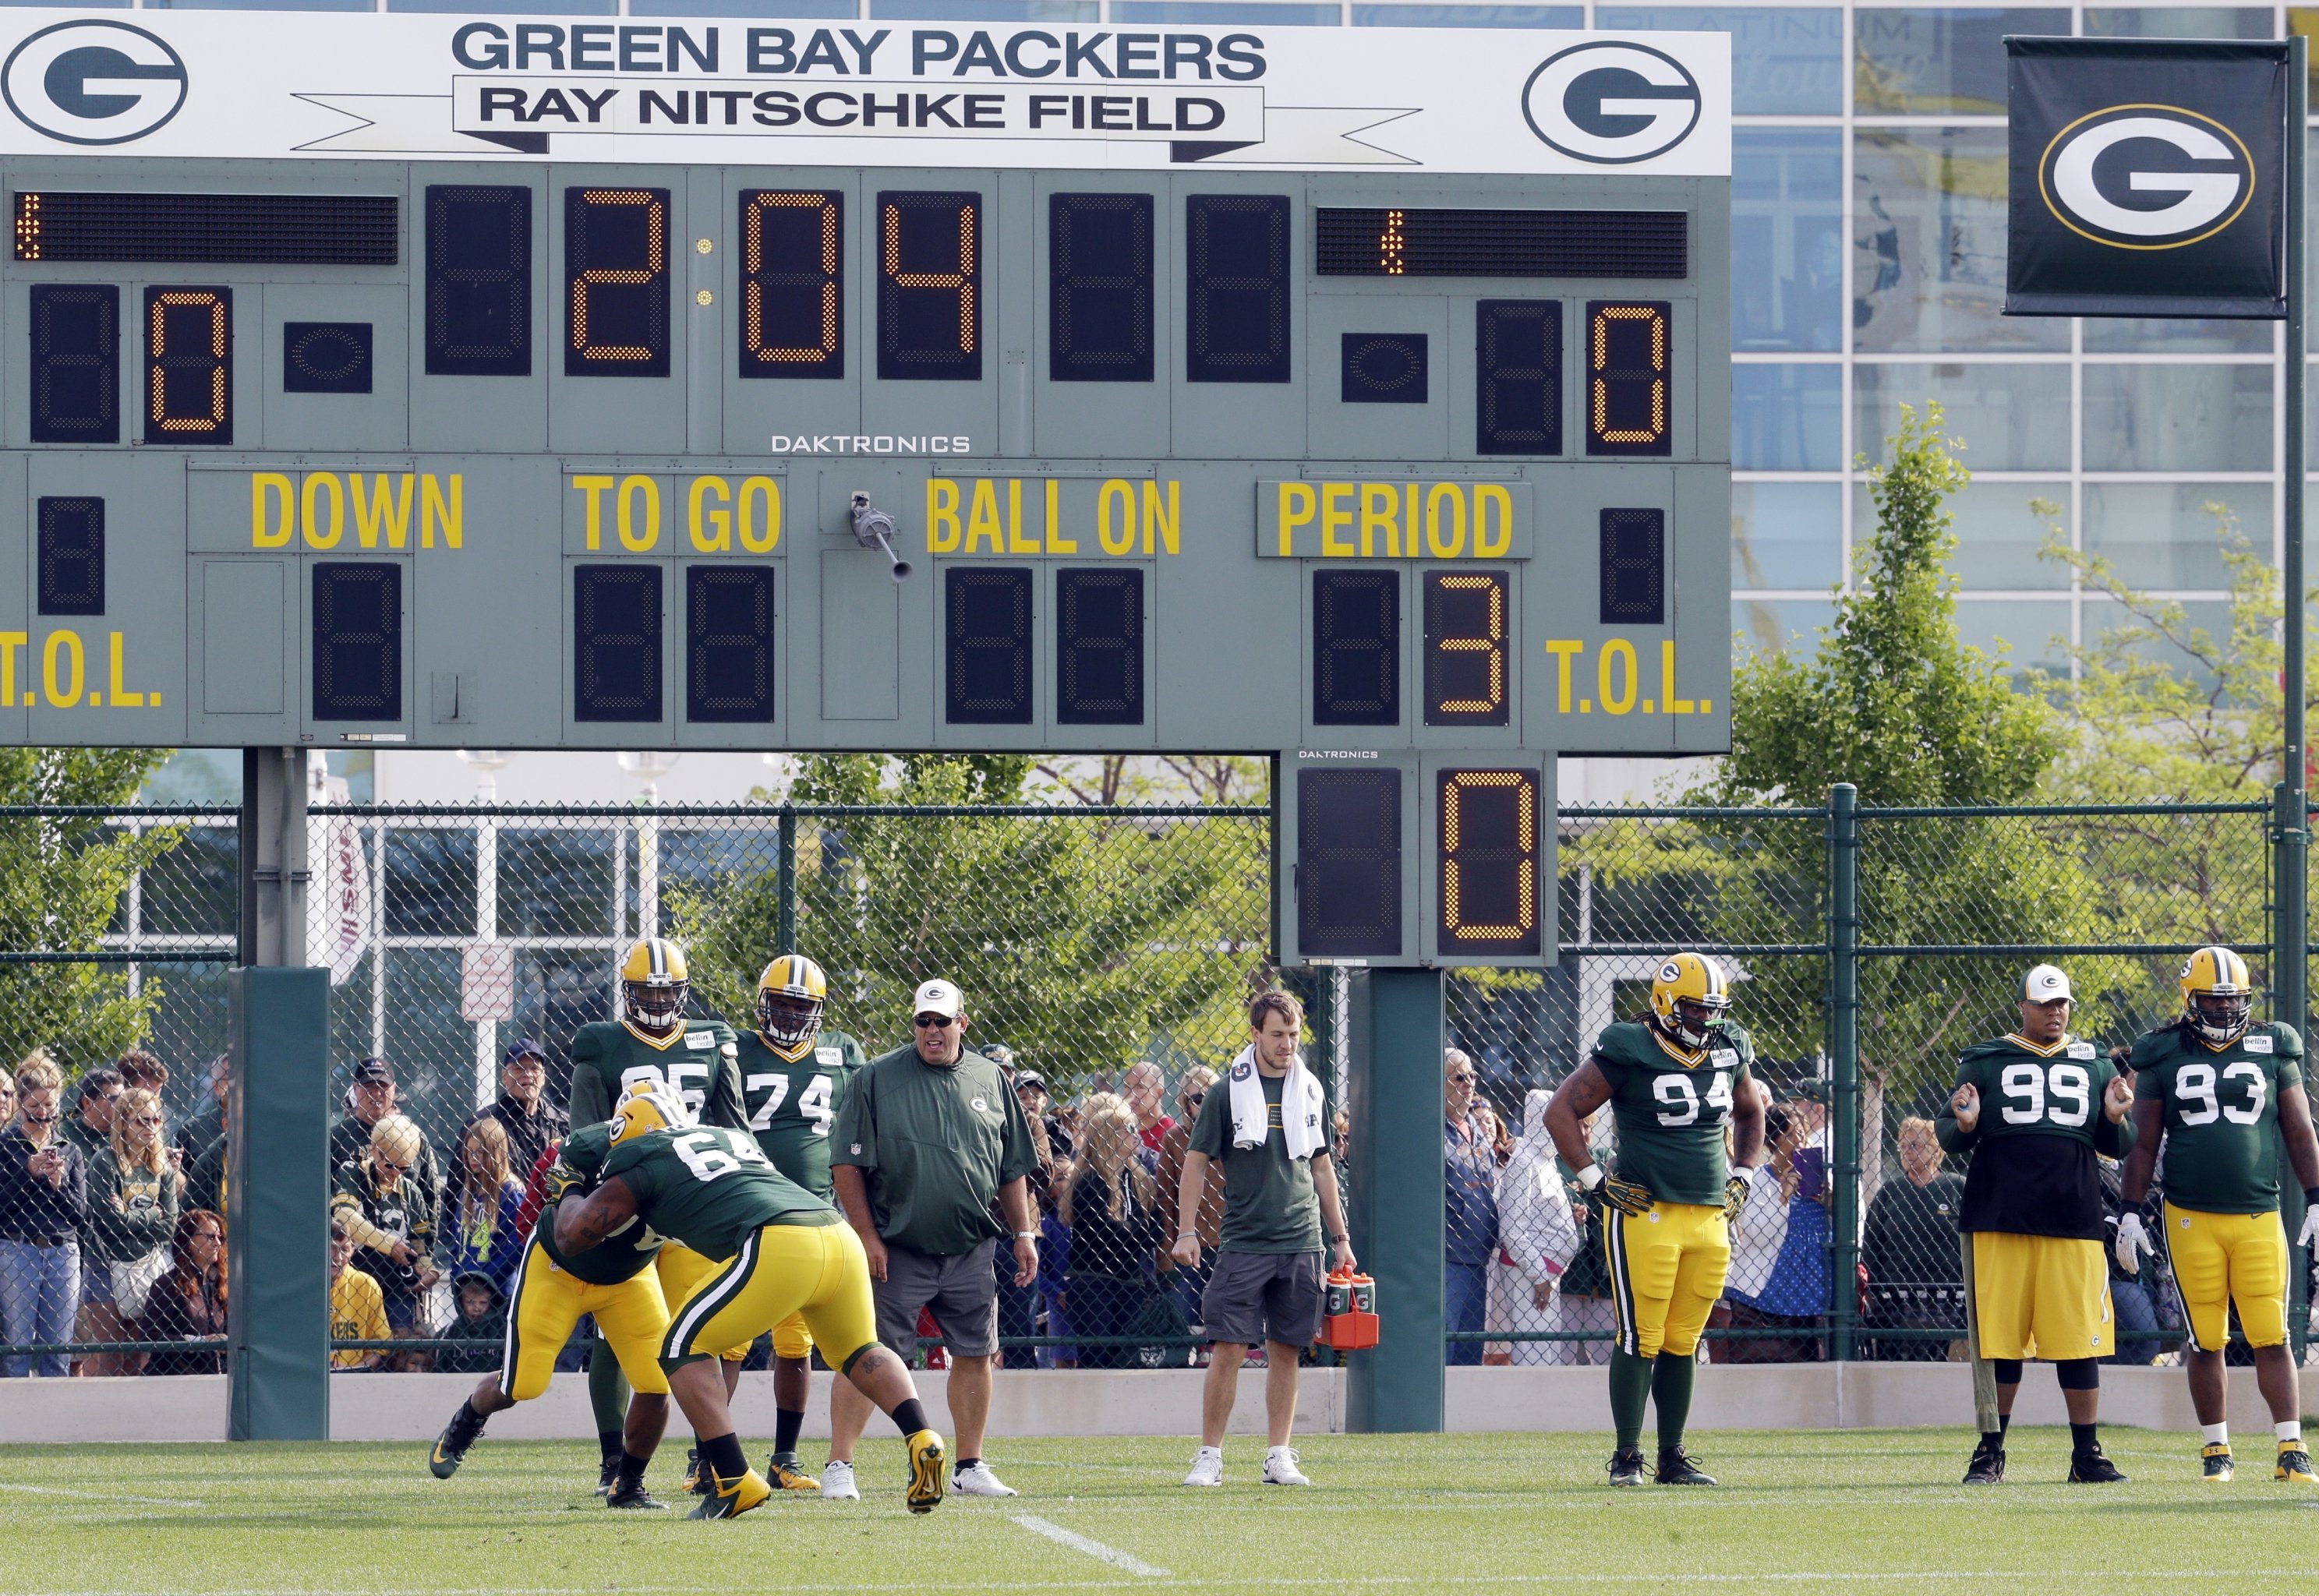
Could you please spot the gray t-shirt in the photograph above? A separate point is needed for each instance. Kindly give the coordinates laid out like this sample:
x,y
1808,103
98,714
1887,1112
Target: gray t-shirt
x,y
1269,1204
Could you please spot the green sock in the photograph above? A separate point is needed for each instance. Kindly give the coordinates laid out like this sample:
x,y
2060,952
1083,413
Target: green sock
x,y
1671,1382
608,1388
1630,1388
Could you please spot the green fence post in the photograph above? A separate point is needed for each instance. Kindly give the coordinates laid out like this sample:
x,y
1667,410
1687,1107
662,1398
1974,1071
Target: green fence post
x,y
2290,954
278,1206
1844,1052
1399,1167
786,929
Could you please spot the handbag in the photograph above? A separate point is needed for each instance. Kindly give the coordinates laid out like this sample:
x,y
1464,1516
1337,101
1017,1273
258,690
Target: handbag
x,y
134,1280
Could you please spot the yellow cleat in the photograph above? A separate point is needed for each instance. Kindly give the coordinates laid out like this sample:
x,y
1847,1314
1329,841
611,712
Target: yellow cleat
x,y
2295,1464
2214,1465
784,1476
925,1488
729,1499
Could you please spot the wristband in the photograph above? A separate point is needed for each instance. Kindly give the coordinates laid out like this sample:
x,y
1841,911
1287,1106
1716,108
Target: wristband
x,y
1026,1235
1181,1235
1589,1177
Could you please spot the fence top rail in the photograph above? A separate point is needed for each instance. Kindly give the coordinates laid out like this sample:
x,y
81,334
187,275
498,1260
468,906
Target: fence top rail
x,y
1679,812
156,814
620,812
2083,811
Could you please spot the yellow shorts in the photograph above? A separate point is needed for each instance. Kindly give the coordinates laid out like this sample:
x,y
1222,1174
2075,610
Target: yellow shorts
x,y
1667,1270
545,1302
2221,1259
2042,1296
817,1273
683,1272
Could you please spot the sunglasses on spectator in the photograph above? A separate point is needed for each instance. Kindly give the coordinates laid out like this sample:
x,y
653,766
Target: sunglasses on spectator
x,y
1466,1079
1194,1099
384,1162
146,1119
935,1022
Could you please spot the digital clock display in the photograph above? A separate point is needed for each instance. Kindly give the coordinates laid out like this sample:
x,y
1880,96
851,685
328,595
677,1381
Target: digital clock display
x,y
1431,242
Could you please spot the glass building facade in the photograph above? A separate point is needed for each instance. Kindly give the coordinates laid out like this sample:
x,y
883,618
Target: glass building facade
x,y
1868,272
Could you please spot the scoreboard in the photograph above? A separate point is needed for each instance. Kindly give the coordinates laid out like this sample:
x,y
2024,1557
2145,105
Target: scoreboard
x,y
792,387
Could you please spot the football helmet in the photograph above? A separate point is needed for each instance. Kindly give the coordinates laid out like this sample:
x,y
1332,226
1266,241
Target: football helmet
x,y
655,983
789,998
2217,995
644,1107
1688,994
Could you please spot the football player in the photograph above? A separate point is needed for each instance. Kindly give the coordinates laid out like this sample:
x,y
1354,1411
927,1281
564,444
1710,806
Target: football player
x,y
2221,1090
1672,1079
793,1077
652,1041
2033,1207
782,1251
553,1287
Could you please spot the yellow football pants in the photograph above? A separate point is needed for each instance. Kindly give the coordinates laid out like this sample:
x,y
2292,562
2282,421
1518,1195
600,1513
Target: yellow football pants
x,y
817,1273
545,1302
683,1272
1667,1268
2221,1259
2042,1296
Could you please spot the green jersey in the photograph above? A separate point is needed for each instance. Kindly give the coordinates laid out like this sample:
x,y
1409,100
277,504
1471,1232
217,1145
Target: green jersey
x,y
695,1061
2035,1171
2221,1151
792,1102
710,1189
620,1255
1670,1105
1271,1203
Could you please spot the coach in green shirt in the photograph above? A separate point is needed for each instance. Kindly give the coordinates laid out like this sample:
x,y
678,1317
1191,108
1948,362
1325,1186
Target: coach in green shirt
x,y
928,1137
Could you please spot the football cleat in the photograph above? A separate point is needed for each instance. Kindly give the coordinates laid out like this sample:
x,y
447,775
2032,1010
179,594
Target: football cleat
x,y
696,1478
1676,1468
788,1477
2214,1463
729,1499
609,1476
1627,1466
635,1498
925,1490
2295,1464
451,1446
2090,1467
1987,1467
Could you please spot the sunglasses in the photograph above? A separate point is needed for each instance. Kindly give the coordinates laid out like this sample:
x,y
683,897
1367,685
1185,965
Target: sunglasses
x,y
146,1119
386,1163
1465,1080
934,1022
1194,1099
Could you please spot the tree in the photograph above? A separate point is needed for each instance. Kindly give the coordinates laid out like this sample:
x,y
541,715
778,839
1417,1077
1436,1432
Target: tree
x,y
1084,941
62,880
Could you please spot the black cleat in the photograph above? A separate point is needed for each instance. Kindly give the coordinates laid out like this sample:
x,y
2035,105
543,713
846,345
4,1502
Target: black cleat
x,y
2215,1465
1987,1467
633,1499
1627,1466
696,1478
608,1476
451,1446
1676,1468
2090,1467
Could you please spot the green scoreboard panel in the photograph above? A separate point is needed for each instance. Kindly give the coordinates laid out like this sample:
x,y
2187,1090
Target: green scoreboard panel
x,y
1413,476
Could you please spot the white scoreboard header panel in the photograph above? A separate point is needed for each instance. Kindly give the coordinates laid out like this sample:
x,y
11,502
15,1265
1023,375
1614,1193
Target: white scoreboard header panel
x,y
1359,397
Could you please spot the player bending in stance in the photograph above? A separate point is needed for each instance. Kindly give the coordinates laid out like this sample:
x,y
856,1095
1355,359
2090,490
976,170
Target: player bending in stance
x,y
1670,1079
783,1251
655,1042
2222,1090
2035,1108
554,1286
793,1077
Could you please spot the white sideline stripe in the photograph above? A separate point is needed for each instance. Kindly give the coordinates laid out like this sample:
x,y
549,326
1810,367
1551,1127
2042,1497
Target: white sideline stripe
x,y
102,1495
1093,1548
1946,1575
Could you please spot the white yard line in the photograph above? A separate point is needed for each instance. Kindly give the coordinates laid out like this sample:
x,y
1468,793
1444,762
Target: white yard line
x,y
1093,1548
102,1495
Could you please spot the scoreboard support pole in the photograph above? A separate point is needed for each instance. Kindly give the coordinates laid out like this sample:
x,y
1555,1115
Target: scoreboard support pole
x,y
2290,968
278,1166
1398,1205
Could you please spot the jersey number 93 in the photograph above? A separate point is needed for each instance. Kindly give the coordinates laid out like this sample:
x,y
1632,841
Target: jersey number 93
x,y
2202,1103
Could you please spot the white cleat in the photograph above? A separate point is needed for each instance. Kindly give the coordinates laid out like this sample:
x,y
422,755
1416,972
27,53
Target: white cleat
x,y
837,1483
1280,1467
1207,1467
977,1480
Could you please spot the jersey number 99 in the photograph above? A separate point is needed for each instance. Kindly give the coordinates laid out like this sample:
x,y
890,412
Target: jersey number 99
x,y
2061,1094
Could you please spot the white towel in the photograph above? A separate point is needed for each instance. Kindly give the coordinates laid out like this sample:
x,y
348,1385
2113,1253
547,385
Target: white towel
x,y
1300,1107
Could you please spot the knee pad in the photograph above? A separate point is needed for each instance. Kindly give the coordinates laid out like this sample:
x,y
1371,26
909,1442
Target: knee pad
x,y
2078,1373
2008,1370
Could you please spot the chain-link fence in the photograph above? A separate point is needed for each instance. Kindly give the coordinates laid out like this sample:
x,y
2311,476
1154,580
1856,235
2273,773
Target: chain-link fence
x,y
1087,941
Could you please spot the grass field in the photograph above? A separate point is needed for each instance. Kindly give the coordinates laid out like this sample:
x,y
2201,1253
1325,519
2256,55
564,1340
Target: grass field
x,y
1799,1512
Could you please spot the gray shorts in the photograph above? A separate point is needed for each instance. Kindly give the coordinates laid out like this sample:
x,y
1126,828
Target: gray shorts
x,y
1264,1296
959,1287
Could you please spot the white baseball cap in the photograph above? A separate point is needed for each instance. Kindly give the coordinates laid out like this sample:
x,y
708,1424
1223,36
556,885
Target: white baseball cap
x,y
2044,983
936,997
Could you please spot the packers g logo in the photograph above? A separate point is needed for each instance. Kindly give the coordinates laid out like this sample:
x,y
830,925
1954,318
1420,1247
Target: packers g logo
x,y
1670,972
1611,102
2098,163
93,82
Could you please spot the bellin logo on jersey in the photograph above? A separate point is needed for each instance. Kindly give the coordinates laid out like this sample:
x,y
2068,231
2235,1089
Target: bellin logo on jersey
x,y
93,82
2146,178
1612,103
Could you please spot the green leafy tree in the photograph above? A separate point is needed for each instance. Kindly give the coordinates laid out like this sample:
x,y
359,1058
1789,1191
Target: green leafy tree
x,y
1085,943
62,880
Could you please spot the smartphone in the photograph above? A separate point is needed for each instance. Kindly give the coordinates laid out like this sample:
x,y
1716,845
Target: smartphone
x,y
1811,1169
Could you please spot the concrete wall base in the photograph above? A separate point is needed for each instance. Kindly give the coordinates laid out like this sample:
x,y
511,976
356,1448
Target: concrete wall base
x,y
1148,1403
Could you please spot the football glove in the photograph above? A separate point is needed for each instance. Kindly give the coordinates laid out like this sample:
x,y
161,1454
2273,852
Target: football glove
x,y
561,1177
2310,1235
1735,1195
2133,1243
1629,1197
